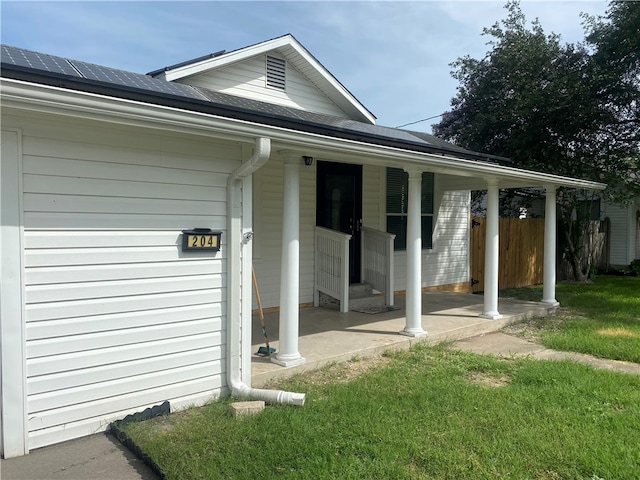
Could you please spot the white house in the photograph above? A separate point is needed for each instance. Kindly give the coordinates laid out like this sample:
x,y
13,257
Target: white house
x,y
624,243
111,301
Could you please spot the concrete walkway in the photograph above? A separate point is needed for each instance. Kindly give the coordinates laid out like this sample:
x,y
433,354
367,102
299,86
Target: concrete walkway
x,y
327,336
504,345
102,457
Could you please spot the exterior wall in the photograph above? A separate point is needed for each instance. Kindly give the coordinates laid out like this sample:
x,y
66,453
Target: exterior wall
x,y
267,227
635,215
117,317
446,264
248,79
622,236
373,210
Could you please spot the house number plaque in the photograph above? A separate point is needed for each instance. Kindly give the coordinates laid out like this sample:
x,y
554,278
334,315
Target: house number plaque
x,y
200,239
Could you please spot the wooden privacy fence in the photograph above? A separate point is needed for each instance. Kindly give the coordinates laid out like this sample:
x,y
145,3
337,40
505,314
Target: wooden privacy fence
x,y
521,257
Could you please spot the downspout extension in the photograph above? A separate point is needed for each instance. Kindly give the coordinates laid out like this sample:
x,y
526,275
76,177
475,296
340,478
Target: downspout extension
x,y
234,319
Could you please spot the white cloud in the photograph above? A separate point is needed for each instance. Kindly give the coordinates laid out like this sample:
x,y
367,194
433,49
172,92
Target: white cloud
x,y
393,56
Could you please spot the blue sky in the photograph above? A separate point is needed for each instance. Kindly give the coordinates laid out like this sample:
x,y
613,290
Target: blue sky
x,y
393,56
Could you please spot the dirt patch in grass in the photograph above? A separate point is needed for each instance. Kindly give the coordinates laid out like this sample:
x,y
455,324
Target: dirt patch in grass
x,y
617,332
164,424
488,380
347,371
532,329
341,372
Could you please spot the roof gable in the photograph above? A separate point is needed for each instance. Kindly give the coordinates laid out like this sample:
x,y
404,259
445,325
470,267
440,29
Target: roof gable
x,y
314,88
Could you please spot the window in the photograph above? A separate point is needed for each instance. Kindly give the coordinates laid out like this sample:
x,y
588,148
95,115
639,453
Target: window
x,y
397,201
276,69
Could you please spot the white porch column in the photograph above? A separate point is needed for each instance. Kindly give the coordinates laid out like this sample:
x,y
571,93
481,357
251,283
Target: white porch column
x,y
492,252
413,327
288,354
549,279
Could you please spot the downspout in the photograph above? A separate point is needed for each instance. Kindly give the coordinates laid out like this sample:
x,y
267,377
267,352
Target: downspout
x,y
234,254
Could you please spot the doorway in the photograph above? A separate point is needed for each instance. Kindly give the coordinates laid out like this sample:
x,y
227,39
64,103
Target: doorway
x,y
339,206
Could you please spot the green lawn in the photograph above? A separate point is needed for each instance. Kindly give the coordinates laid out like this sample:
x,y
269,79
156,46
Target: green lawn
x,y
427,413
600,318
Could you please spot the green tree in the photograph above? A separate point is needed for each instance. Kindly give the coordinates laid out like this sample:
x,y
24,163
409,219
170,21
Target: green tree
x,y
615,63
554,107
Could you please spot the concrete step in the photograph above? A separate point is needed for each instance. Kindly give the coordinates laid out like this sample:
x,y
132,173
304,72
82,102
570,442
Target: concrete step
x,y
359,290
360,295
366,301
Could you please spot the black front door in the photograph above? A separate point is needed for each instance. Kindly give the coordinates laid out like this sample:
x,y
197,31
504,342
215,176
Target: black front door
x,y
339,206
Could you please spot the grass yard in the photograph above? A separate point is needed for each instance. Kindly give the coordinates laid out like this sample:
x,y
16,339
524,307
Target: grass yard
x,y
600,318
427,413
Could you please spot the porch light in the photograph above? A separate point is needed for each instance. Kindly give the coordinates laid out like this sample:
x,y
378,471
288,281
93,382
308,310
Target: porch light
x,y
308,161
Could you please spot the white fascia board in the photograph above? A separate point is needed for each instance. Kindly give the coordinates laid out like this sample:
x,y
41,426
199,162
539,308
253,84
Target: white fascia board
x,y
265,47
333,82
480,183
225,59
56,101
41,98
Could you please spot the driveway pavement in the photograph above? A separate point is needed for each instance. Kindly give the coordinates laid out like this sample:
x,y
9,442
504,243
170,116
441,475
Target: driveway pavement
x,y
96,457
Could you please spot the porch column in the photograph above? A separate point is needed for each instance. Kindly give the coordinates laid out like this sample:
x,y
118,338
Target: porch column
x,y
549,279
413,327
288,354
492,252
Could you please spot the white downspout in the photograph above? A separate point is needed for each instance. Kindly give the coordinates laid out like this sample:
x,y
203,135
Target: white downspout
x,y
235,244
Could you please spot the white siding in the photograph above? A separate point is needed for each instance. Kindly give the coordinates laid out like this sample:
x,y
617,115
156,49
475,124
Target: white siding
x,y
267,228
448,261
621,246
372,206
118,318
268,231
248,79
635,215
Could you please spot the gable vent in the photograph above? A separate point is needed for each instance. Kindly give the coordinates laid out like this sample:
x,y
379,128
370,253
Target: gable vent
x,y
276,73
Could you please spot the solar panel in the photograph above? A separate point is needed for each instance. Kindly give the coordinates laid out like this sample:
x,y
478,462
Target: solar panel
x,y
134,80
36,61
310,117
141,82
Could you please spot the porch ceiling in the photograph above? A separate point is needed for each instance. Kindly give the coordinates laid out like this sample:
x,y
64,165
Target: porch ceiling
x,y
453,182
462,173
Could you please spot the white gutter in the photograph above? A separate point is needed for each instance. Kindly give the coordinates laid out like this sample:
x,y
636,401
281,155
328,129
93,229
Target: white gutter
x,y
235,244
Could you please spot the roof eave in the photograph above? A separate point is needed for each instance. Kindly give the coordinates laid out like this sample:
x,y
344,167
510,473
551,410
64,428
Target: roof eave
x,y
384,152
208,107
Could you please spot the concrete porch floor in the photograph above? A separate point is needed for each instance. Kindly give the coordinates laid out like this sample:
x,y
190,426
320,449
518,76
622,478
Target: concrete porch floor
x,y
328,336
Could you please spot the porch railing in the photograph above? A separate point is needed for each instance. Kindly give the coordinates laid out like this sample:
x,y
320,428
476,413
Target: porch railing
x,y
332,266
377,261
